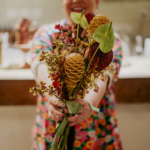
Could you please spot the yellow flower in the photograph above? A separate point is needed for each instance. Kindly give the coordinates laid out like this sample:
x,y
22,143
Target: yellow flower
x,y
89,144
77,143
51,129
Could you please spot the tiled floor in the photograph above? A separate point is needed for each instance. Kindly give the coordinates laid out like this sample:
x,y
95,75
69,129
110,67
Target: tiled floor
x,y
16,122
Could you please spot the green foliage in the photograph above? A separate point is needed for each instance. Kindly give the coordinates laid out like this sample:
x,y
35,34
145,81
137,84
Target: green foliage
x,y
80,19
104,35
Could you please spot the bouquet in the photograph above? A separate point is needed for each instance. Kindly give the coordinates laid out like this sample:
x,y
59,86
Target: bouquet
x,y
74,65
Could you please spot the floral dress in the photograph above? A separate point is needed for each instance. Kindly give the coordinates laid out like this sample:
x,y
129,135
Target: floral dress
x,y
99,132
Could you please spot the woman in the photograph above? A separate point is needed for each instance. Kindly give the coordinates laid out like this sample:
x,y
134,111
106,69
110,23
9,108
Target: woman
x,y
89,130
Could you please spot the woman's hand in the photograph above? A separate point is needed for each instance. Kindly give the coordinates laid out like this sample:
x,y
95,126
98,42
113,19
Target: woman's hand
x,y
54,109
83,114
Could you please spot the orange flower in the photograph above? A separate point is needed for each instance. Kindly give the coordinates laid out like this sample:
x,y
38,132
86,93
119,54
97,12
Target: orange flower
x,y
82,125
51,129
45,115
77,143
109,147
89,144
98,130
90,120
94,113
39,139
102,121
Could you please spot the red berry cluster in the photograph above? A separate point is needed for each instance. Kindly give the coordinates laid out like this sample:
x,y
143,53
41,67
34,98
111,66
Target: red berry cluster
x,y
59,27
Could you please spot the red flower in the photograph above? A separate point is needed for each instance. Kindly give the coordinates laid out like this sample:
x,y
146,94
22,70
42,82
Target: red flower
x,y
56,84
89,17
59,27
104,58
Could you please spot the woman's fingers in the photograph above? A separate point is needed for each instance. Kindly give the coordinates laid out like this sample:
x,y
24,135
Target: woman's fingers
x,y
55,111
56,102
55,118
76,120
73,123
73,118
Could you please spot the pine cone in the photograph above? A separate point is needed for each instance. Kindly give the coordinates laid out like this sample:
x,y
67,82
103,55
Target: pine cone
x,y
97,21
74,68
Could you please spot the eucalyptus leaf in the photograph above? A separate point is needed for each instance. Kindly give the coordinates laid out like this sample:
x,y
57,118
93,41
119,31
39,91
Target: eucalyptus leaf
x,y
104,35
76,18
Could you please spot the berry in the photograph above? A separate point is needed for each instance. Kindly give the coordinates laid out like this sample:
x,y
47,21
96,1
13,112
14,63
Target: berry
x,y
104,58
89,17
59,27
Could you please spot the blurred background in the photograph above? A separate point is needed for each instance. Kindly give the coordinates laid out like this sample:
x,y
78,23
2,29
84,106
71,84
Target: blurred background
x,y
19,19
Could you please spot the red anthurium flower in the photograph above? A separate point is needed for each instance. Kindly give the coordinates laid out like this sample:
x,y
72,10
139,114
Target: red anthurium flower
x,y
104,58
89,17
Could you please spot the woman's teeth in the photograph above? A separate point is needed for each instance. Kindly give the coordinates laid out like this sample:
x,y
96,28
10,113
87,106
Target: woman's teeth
x,y
77,9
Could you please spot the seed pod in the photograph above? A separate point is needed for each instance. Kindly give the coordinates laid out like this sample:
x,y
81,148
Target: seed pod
x,y
97,21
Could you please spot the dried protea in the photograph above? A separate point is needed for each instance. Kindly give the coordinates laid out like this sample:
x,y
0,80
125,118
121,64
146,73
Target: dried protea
x,y
74,68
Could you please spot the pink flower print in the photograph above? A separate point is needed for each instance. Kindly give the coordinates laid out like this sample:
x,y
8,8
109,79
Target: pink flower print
x,y
38,130
103,133
109,127
81,135
96,123
113,133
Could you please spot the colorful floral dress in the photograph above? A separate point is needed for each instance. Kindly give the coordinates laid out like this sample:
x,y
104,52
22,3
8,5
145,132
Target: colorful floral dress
x,y
99,132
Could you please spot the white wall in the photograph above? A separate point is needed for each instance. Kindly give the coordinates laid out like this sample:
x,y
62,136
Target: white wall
x,y
124,14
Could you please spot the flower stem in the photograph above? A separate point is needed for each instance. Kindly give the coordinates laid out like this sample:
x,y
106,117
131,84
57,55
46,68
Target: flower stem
x,y
92,59
77,38
88,67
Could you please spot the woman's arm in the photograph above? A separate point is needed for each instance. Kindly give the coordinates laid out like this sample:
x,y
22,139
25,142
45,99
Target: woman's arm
x,y
94,99
54,104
